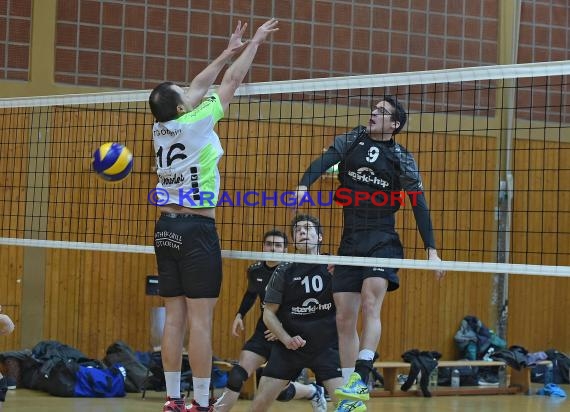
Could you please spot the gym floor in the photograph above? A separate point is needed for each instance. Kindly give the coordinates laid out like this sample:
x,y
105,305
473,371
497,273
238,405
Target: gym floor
x,y
23,400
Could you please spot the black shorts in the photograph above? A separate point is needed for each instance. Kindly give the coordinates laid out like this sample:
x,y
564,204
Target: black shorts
x,y
367,243
287,364
188,256
258,344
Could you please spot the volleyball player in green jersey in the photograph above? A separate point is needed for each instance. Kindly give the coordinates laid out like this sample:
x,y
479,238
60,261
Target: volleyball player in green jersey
x,y
186,245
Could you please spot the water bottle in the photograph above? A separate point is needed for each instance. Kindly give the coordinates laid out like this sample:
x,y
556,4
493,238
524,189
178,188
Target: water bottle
x,y
455,378
549,375
432,382
502,375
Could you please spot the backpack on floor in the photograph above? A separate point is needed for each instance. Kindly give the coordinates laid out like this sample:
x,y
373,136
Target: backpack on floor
x,y
560,366
137,373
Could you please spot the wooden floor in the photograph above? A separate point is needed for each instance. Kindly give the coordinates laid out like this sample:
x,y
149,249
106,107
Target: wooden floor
x,y
23,400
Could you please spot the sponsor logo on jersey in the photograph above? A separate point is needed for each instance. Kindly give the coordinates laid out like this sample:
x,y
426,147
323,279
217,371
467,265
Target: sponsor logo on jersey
x,y
170,179
366,175
310,306
166,132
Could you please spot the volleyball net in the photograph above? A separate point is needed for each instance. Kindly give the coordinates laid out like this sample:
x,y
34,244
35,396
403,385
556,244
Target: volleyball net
x,y
492,145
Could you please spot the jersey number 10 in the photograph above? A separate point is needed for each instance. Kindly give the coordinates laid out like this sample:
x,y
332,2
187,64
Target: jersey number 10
x,y
316,283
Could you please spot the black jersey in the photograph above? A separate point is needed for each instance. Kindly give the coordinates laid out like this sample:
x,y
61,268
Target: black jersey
x,y
258,275
380,168
306,306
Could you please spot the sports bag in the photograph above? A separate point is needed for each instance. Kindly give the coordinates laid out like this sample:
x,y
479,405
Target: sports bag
x,y
92,382
137,374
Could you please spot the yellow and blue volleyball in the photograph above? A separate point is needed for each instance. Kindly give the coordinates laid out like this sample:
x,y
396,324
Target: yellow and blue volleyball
x,y
112,161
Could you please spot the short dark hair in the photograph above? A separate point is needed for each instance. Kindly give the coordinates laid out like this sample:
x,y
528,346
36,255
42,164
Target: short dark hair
x,y
275,232
163,102
399,114
309,218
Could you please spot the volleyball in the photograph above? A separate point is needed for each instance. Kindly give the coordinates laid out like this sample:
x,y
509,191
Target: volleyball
x,y
112,161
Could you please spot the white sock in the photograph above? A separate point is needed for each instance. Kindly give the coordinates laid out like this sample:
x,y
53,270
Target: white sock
x,y
315,392
346,372
172,384
201,391
366,354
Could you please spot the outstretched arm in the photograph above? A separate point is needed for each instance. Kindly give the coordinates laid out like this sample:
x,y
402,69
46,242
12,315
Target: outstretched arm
x,y
202,82
314,171
235,74
423,221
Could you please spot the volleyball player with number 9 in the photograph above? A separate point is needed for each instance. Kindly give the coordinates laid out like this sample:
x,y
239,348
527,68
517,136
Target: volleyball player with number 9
x,y
370,161
186,242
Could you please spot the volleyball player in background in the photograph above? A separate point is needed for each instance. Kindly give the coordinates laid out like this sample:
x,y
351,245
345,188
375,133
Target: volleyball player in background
x,y
186,243
370,162
257,349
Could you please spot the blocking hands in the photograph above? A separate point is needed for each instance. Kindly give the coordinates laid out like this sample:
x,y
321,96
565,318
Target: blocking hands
x,y
265,30
236,43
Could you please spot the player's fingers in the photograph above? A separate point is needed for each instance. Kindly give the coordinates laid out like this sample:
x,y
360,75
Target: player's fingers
x,y
238,27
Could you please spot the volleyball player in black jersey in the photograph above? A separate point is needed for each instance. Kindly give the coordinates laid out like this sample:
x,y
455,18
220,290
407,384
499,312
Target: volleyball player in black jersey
x,y
256,350
300,312
373,170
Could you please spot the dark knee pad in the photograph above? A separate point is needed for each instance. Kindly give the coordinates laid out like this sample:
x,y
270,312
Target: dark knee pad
x,y
3,389
287,394
236,378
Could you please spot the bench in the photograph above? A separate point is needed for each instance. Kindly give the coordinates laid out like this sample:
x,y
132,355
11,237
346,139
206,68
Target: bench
x,y
519,379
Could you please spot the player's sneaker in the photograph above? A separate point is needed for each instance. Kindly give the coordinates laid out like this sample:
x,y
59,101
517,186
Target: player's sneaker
x,y
194,407
350,406
355,389
318,400
174,405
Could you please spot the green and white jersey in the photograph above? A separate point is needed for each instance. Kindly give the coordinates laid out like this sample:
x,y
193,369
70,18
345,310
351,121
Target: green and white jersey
x,y
187,154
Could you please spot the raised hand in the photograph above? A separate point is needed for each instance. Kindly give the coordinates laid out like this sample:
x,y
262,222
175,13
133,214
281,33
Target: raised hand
x,y
236,44
265,30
